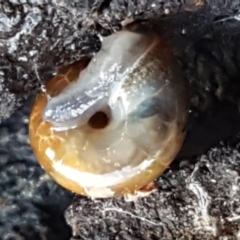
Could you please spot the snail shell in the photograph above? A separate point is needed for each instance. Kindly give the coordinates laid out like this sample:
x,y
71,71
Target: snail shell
x,y
114,125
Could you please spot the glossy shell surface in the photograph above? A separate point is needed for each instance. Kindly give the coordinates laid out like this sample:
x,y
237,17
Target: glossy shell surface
x,y
109,161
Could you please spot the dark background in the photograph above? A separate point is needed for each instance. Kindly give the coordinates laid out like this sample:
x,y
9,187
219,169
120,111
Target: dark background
x,y
198,196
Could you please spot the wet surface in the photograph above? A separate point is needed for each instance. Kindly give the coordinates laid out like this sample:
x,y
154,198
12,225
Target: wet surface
x,y
197,198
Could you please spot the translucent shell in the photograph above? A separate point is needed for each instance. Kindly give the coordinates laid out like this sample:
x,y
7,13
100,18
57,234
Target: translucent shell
x,y
100,161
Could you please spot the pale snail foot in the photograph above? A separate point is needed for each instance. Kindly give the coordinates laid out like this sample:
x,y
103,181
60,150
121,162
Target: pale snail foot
x,y
141,193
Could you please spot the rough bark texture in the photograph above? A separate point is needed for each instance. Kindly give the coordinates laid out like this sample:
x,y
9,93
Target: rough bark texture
x,y
31,205
39,35
197,198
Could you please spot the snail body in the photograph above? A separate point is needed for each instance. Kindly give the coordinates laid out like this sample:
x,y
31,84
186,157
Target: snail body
x,y
113,125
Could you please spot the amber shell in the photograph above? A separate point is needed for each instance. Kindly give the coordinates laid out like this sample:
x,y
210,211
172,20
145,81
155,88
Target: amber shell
x,y
52,149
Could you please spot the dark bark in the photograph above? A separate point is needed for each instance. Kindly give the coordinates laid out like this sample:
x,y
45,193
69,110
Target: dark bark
x,y
45,34
197,198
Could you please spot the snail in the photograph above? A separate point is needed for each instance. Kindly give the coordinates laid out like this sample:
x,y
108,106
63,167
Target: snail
x,y
111,126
